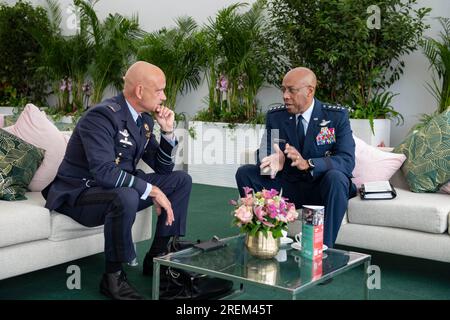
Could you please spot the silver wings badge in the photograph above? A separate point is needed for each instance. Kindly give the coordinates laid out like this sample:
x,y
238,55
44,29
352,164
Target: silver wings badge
x,y
324,122
124,133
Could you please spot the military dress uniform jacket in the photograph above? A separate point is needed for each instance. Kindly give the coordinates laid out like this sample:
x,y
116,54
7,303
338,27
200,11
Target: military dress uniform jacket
x,y
104,150
328,141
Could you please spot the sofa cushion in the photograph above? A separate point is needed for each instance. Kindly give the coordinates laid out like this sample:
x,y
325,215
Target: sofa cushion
x,y
19,161
427,167
63,228
374,164
426,212
34,127
23,221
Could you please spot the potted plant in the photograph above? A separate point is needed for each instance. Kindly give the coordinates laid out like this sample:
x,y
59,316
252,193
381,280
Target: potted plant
x,y
81,66
20,55
438,54
355,61
262,216
114,42
237,62
179,53
379,112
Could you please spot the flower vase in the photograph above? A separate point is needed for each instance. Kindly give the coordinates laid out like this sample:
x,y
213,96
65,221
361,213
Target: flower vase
x,y
261,246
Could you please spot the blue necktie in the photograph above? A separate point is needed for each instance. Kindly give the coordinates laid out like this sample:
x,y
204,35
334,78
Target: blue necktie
x,y
139,121
300,133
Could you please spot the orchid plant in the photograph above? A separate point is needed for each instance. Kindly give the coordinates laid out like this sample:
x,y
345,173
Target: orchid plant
x,y
264,211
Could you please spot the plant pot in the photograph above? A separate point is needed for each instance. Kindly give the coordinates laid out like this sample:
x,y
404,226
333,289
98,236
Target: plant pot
x,y
261,246
382,128
216,152
66,119
6,110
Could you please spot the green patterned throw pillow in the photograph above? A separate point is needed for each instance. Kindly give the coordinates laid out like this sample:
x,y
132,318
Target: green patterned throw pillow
x,y
19,161
427,150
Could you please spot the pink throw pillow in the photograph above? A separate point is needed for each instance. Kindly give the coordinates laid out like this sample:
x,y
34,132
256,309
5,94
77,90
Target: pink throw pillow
x,y
445,188
373,164
34,127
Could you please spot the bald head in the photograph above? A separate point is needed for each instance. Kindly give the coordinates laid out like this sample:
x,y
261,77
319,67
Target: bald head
x,y
299,87
144,85
140,73
303,75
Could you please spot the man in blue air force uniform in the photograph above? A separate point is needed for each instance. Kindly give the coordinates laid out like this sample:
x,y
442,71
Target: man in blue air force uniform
x,y
97,182
314,155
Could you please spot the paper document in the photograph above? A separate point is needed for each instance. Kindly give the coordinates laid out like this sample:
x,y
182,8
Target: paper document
x,y
377,186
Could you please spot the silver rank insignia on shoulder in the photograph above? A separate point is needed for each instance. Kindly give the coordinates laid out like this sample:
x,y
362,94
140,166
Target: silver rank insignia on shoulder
x,y
335,108
114,107
279,107
324,122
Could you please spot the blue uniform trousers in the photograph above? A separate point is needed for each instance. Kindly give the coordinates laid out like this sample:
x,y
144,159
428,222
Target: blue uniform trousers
x,y
331,190
116,210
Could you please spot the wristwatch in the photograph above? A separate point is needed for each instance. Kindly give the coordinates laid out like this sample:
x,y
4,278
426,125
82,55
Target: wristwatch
x,y
311,164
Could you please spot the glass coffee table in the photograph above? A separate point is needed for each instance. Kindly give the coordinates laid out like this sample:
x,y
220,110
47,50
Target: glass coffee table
x,y
289,272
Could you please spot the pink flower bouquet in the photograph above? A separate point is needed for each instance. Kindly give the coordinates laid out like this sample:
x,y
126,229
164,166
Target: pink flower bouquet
x,y
263,211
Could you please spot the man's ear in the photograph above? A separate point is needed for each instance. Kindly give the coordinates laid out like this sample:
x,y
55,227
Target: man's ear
x,y
139,91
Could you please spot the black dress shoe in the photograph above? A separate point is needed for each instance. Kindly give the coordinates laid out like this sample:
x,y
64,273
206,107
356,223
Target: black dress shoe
x,y
116,286
147,269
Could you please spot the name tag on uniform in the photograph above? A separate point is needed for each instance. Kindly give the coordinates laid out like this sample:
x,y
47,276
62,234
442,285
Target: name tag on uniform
x,y
326,136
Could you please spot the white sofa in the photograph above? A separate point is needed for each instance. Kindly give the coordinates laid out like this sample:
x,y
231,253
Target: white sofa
x,y
412,224
33,238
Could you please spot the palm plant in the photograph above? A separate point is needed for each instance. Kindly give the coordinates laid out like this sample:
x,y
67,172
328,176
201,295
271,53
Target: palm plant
x,y
114,46
65,61
237,60
438,53
178,52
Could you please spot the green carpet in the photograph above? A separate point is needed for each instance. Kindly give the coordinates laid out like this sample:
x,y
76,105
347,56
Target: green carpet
x,y
209,214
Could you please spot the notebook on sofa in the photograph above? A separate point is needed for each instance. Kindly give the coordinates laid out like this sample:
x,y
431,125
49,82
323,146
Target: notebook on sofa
x,y
377,190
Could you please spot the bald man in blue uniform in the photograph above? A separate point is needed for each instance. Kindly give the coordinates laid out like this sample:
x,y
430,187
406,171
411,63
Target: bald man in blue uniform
x,y
307,150
97,182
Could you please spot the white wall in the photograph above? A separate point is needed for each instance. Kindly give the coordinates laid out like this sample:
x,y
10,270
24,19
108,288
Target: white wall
x,y
413,100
